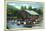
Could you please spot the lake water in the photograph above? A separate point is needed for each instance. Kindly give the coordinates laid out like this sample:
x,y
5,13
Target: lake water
x,y
13,25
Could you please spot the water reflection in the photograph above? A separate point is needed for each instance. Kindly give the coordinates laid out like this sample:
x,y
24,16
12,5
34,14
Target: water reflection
x,y
12,25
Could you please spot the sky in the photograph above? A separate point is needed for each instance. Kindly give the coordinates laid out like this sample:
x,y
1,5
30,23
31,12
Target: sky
x,y
33,4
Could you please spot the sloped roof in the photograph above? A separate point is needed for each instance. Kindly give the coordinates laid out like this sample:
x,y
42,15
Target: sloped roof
x,y
32,12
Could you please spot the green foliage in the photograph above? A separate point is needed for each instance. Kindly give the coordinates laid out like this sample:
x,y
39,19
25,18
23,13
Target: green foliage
x,y
29,8
14,10
35,9
39,11
23,8
11,9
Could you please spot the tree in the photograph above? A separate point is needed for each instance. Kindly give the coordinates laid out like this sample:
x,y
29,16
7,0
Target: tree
x,y
29,8
23,8
35,9
40,12
11,11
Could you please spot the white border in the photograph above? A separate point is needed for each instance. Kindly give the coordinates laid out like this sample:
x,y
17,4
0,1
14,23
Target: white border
x,y
2,18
